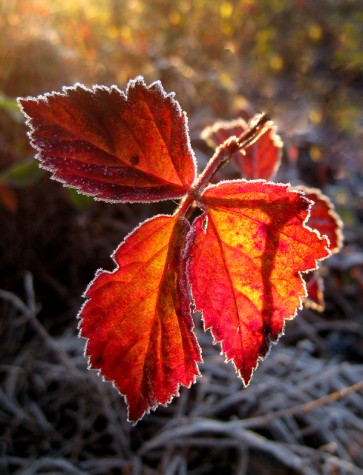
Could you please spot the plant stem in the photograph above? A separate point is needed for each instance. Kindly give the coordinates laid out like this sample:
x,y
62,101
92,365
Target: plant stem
x,y
224,152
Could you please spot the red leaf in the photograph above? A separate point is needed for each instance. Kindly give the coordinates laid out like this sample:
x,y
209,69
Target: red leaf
x,y
324,218
248,250
260,160
116,146
137,319
315,291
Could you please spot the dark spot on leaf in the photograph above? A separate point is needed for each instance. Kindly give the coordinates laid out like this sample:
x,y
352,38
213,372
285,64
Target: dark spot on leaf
x,y
134,160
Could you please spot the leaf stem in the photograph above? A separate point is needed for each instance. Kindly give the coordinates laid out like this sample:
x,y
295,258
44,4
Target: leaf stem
x,y
224,152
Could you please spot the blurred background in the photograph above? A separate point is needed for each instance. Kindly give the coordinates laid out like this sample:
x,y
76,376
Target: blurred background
x,y
302,63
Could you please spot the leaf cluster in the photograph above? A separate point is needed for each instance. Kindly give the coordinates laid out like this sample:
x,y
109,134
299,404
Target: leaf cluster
x,y
235,250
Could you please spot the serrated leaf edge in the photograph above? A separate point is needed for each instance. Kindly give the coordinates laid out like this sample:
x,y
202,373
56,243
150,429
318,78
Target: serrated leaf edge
x,y
156,85
79,318
190,237
331,211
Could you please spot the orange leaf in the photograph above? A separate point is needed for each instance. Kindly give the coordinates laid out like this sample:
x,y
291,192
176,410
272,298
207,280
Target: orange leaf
x,y
137,319
248,251
116,146
259,160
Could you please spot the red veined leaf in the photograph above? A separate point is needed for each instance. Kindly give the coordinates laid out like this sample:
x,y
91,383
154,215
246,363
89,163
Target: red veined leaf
x,y
324,218
116,146
259,160
315,291
248,250
137,319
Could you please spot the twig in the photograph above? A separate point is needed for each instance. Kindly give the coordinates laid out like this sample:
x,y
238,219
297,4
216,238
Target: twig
x,y
15,300
233,430
303,408
29,313
49,464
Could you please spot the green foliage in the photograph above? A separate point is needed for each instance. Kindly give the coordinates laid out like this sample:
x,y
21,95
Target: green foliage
x,y
8,104
21,174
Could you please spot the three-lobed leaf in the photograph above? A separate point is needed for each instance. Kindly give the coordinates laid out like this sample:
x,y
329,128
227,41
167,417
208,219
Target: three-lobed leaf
x,y
115,146
240,262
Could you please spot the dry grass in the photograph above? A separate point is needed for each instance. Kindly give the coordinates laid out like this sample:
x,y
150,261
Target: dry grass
x,y
302,414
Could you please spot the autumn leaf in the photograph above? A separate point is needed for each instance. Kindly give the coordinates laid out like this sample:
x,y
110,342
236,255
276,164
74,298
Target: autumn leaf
x,y
116,146
315,291
324,219
248,250
137,319
259,160
240,263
